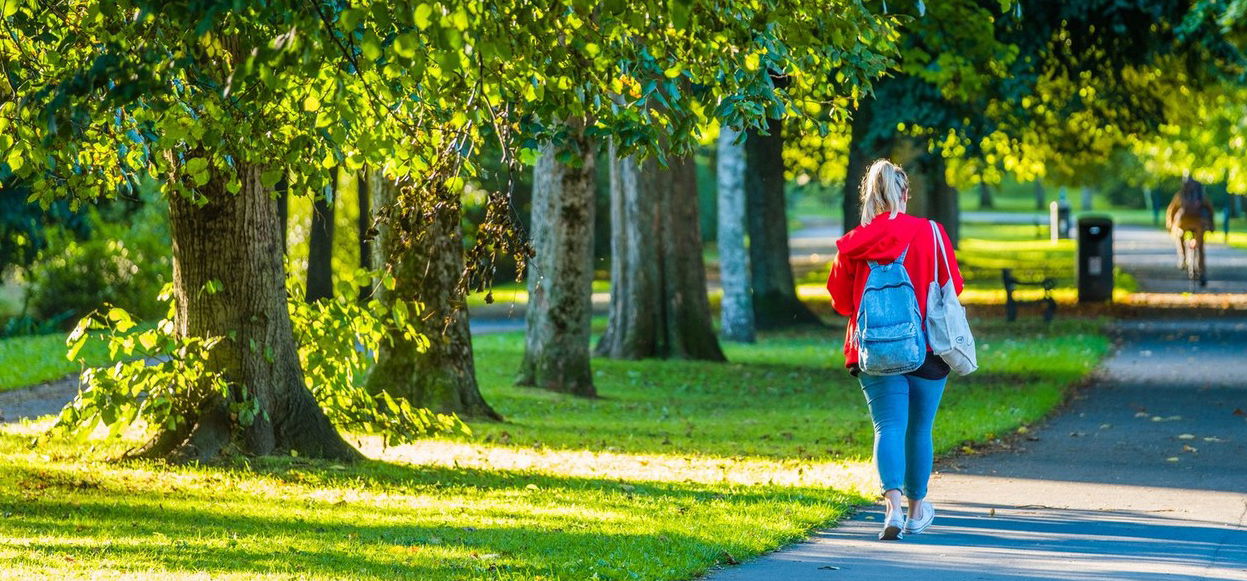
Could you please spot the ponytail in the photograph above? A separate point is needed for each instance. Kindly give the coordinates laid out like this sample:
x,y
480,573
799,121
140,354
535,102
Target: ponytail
x,y
883,190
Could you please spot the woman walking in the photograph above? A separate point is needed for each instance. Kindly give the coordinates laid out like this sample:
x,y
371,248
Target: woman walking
x,y
902,406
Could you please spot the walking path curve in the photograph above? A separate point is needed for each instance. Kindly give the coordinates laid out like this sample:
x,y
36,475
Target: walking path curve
x,y
1142,477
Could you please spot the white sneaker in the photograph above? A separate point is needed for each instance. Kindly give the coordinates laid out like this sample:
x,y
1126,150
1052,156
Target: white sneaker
x,y
926,514
892,526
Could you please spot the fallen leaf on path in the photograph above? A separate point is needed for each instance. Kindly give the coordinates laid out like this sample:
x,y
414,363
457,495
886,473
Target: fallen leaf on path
x,y
1191,449
1213,439
829,568
1141,415
1186,436
1105,426
1076,434
1239,412
1168,419
1171,459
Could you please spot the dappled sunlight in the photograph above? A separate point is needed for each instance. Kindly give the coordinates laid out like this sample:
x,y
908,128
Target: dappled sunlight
x,y
849,475
463,509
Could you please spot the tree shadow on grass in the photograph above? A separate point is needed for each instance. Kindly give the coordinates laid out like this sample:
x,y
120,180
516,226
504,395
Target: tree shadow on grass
x,y
379,520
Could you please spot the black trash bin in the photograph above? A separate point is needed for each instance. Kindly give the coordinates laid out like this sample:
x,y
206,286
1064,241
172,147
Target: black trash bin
x,y
1095,259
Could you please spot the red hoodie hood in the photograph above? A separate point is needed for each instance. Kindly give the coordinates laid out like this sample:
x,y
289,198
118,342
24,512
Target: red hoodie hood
x,y
882,239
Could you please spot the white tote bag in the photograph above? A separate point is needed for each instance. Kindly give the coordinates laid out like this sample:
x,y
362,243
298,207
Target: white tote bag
x,y
948,332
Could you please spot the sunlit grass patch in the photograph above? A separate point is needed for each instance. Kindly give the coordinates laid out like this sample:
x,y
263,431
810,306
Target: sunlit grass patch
x,y
26,361
294,519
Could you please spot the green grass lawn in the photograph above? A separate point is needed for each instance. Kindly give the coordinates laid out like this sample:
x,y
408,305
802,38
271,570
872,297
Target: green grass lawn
x,y
26,361
677,467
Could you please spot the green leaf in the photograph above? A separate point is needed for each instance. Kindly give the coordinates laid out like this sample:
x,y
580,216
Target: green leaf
x,y
149,339
77,338
422,14
400,313
351,18
121,318
269,178
407,44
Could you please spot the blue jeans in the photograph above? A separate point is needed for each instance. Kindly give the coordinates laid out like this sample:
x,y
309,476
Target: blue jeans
x,y
903,410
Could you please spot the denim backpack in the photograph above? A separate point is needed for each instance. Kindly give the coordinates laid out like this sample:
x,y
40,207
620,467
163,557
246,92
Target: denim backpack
x,y
889,335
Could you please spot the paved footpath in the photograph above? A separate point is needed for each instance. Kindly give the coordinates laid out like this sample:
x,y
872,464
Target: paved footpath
x,y
1142,477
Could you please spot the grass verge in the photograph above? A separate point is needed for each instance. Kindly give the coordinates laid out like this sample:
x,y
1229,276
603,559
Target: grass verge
x,y
679,466
26,361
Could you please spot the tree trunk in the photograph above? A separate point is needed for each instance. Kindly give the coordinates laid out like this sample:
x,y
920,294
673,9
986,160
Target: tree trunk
x,y
985,197
775,302
689,330
658,277
1086,198
421,245
930,196
283,212
234,242
364,227
1041,202
862,151
560,274
737,307
945,204
320,245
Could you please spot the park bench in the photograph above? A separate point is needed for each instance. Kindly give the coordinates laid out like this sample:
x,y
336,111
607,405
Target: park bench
x,y
1011,304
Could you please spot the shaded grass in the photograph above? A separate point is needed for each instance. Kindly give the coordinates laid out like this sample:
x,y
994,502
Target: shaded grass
x,y
290,519
787,397
31,360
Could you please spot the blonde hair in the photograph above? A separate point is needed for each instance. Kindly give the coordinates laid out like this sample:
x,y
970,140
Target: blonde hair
x,y
883,190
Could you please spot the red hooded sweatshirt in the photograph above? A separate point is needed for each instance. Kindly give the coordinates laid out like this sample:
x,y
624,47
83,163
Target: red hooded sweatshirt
x,y
882,241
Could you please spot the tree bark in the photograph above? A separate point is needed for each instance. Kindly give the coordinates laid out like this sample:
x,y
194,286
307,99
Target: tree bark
x,y
689,330
945,204
775,302
1041,202
560,274
659,306
736,314
1086,198
862,151
283,212
365,231
320,245
985,197
633,319
421,246
234,242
